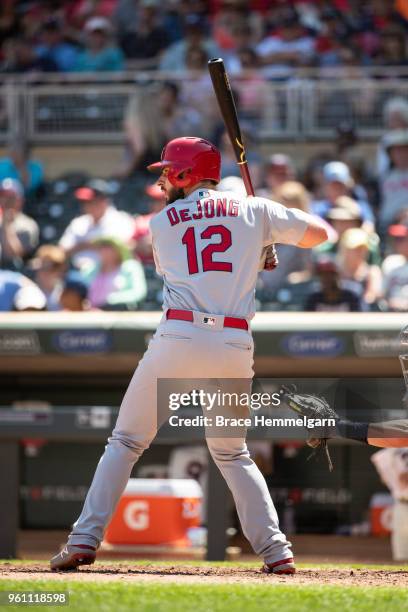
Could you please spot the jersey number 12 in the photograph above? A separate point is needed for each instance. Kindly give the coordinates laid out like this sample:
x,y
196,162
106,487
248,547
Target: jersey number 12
x,y
208,264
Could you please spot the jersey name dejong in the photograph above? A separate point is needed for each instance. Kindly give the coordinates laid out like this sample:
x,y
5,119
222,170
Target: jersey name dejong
x,y
221,207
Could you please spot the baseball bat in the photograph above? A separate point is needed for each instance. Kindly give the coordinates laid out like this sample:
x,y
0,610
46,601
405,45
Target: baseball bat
x,y
226,103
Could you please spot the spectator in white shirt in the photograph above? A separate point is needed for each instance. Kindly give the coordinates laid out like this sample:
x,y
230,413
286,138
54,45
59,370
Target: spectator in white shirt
x,y
100,219
395,118
395,269
394,184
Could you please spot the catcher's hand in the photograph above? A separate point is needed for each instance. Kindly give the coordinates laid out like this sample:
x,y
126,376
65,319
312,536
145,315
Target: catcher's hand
x,y
312,407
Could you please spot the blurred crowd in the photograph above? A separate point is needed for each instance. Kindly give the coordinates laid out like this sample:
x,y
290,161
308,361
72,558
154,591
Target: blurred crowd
x,y
275,36
101,255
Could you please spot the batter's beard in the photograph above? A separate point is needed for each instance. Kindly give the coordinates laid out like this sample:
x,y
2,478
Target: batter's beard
x,y
174,194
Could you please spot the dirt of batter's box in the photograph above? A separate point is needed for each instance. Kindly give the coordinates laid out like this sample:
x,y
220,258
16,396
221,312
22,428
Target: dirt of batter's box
x,y
185,574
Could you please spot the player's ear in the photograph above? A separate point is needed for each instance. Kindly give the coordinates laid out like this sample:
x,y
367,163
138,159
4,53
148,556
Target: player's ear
x,y
183,179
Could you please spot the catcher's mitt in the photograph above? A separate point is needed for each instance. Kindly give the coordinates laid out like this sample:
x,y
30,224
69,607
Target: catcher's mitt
x,y
311,407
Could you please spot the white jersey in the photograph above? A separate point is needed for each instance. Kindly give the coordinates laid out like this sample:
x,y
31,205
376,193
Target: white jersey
x,y
208,245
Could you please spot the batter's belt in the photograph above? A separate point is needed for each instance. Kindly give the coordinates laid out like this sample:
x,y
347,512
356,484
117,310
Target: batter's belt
x,y
188,315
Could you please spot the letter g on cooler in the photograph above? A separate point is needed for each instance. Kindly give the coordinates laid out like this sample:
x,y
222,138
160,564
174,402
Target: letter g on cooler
x,y
136,515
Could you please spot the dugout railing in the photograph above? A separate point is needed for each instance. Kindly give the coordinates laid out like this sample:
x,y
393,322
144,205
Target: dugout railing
x,y
89,109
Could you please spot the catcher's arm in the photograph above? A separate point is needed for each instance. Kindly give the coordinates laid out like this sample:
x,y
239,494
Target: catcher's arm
x,y
388,434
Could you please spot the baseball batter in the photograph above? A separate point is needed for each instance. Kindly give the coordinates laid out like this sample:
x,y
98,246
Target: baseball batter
x,y
207,246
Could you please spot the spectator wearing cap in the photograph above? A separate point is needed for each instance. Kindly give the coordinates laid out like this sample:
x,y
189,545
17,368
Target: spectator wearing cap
x,y
145,38
100,53
100,219
394,184
116,282
331,296
74,293
278,170
395,268
355,270
345,215
54,47
174,57
10,284
337,182
286,48
142,235
18,232
18,165
49,266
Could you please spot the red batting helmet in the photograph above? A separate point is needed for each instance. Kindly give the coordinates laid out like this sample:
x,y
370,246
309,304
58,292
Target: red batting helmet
x,y
194,158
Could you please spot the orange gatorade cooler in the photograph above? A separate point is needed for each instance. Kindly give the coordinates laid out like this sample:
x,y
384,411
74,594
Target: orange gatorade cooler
x,y
156,511
381,514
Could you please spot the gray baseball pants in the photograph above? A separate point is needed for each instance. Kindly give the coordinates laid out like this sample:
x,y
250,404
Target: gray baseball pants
x,y
181,349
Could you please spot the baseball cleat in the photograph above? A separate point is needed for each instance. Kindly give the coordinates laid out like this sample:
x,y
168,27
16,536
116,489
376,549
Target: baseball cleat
x,y
71,556
285,566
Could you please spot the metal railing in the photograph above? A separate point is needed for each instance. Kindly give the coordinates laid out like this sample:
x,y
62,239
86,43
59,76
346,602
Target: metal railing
x,y
68,109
